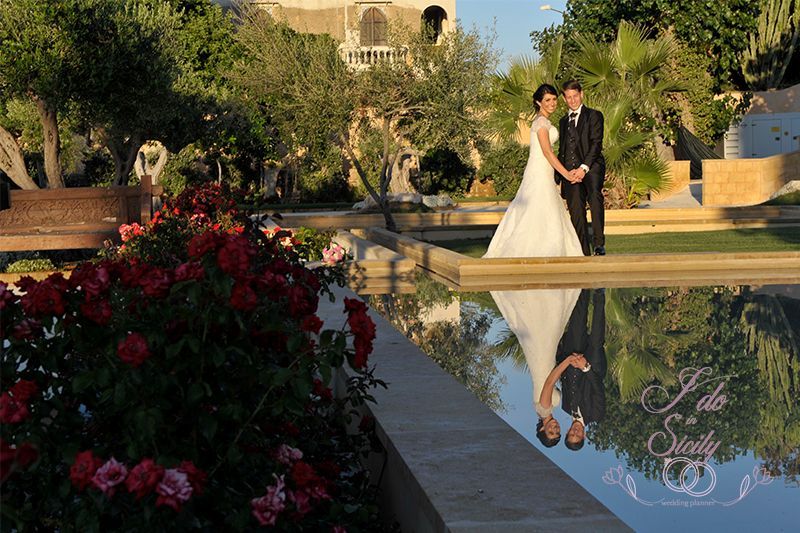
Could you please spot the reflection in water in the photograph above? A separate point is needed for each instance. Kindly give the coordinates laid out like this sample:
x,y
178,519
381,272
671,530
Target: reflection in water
x,y
737,427
537,318
451,332
584,397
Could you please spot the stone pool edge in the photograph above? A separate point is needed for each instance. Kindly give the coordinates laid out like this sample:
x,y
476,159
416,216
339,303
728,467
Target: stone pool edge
x,y
451,463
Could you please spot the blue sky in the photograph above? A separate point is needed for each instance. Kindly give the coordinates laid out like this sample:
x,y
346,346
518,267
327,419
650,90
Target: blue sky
x,y
515,20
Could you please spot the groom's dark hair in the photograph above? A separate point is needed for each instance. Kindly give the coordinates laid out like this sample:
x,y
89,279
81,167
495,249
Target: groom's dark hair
x,y
571,85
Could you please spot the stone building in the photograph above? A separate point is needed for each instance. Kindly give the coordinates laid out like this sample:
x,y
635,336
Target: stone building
x,y
361,26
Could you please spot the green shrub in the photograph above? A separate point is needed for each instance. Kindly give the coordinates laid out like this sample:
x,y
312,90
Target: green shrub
x,y
443,171
30,265
312,242
504,164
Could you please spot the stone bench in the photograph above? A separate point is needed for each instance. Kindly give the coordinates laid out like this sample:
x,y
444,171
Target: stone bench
x,y
73,218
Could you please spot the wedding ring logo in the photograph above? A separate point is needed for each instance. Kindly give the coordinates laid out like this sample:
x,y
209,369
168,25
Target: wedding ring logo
x,y
691,471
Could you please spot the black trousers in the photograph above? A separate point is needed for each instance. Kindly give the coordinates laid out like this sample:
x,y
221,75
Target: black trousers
x,y
577,195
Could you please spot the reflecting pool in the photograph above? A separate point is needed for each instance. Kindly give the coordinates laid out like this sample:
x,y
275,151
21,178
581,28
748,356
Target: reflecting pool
x,y
677,408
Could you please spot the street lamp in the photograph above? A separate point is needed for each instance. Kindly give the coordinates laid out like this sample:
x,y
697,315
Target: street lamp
x,y
548,7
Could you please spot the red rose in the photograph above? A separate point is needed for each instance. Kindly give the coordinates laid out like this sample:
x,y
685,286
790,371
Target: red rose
x,y
197,478
12,410
7,456
23,390
144,477
98,311
94,280
27,454
311,323
322,391
43,298
27,329
157,282
202,244
191,270
83,469
243,297
303,474
133,349
7,297
367,424
302,302
234,256
12,457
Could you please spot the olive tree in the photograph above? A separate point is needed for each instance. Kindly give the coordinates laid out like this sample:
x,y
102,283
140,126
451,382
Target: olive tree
x,y
427,96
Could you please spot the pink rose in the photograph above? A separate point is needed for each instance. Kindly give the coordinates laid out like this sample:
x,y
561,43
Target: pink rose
x,y
174,489
287,455
267,508
109,476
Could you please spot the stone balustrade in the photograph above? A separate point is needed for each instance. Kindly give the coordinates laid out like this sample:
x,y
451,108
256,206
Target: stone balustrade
x,y
363,57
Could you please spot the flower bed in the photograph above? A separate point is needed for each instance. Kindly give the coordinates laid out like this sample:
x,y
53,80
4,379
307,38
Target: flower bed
x,y
179,383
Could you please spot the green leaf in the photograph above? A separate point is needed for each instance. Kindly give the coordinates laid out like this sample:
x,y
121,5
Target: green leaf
x,y
83,381
208,426
195,393
119,394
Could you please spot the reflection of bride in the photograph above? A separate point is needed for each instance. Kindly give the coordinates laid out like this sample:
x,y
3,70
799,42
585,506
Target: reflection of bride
x,y
538,319
536,223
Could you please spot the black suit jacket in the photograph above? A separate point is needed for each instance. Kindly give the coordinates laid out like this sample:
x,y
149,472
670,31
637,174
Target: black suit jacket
x,y
590,142
578,388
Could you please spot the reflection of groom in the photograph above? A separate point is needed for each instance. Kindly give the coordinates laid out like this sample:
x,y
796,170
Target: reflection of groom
x,y
580,149
582,392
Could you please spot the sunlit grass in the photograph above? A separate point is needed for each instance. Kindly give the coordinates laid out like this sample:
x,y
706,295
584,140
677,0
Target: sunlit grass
x,y
741,240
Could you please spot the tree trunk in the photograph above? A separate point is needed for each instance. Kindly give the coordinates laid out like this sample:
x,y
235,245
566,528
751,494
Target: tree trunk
x,y
52,144
124,154
379,199
12,162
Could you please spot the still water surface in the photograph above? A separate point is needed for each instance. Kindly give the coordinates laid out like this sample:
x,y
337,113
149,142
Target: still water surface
x,y
690,402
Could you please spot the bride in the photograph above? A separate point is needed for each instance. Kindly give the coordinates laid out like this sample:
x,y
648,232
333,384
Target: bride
x,y
536,223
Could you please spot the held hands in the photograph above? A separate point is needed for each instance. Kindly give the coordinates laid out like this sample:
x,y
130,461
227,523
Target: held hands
x,y
576,175
579,361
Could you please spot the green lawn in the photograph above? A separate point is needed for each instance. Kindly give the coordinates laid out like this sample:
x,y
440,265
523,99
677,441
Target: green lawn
x,y
742,240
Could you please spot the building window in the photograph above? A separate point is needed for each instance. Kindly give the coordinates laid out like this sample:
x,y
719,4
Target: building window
x,y
373,28
434,19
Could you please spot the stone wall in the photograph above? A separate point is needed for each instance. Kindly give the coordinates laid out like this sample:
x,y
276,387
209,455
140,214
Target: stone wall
x,y
679,180
729,182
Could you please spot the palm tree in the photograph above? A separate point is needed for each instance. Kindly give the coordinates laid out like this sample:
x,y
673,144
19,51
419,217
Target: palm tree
x,y
625,80
513,91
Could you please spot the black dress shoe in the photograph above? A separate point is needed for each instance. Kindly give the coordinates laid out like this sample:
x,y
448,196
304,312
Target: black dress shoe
x,y
600,250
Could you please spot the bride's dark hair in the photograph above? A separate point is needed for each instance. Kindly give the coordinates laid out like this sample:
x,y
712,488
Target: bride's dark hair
x,y
543,89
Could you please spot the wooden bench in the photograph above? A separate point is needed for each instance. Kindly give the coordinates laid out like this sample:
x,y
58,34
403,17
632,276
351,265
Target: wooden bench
x,y
73,218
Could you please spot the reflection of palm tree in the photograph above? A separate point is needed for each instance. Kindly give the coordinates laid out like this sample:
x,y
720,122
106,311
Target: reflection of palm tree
x,y
507,346
633,347
770,336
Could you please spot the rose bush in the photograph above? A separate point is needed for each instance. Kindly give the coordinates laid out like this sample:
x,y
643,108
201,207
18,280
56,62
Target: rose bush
x,y
180,382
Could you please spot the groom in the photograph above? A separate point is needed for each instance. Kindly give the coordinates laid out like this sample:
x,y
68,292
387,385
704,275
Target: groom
x,y
583,394
581,151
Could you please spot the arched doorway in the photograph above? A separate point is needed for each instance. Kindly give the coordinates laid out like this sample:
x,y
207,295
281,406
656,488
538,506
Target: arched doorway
x,y
435,18
373,28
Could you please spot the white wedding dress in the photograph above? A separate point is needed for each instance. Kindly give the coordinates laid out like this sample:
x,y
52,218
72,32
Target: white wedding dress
x,y
538,319
536,223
